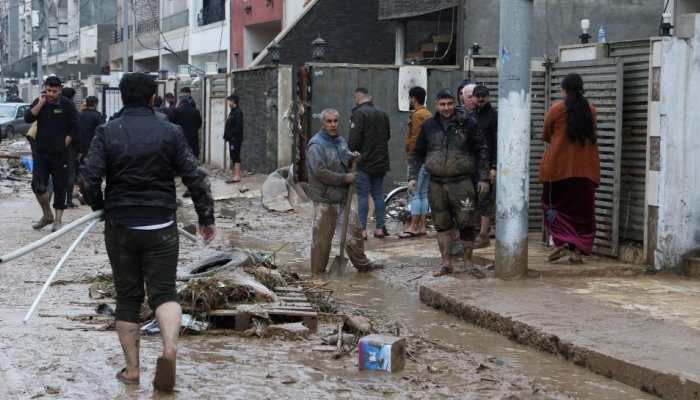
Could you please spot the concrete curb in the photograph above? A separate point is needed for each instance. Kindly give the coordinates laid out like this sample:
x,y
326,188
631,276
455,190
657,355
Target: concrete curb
x,y
660,383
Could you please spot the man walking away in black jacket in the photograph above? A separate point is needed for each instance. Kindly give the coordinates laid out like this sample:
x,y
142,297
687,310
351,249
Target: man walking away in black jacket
x,y
487,127
69,93
189,118
140,155
57,125
233,134
88,119
369,135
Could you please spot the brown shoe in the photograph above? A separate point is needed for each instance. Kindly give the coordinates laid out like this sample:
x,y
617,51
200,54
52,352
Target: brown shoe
x,y
370,267
483,242
165,374
43,222
445,270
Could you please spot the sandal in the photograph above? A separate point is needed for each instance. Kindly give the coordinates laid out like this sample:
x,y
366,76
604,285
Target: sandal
x,y
43,222
558,253
165,375
384,234
445,270
123,379
408,235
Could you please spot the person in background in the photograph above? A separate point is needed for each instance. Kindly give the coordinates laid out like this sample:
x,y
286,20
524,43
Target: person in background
x,y
451,151
57,125
139,155
468,99
329,166
370,132
233,134
170,101
419,198
88,119
159,109
487,126
73,150
460,94
570,172
190,119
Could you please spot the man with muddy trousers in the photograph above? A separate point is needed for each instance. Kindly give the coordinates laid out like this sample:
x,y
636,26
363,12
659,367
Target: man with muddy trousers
x,y
140,155
369,135
329,164
57,125
452,151
487,127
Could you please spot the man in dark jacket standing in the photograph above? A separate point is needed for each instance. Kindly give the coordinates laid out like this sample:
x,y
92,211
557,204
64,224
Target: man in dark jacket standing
x,y
328,163
69,93
57,125
88,119
452,151
369,135
190,119
140,155
487,127
233,134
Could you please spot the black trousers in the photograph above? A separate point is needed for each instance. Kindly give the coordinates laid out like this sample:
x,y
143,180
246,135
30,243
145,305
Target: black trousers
x,y
54,166
141,257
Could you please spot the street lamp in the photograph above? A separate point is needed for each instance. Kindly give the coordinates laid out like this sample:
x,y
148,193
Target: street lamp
x,y
585,26
274,51
666,25
318,49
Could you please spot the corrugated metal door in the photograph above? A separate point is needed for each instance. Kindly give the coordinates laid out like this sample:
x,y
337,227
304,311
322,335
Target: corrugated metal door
x,y
636,57
603,82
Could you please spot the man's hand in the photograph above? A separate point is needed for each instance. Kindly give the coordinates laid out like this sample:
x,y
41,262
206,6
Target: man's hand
x,y
207,232
492,176
69,140
355,155
412,185
484,187
349,178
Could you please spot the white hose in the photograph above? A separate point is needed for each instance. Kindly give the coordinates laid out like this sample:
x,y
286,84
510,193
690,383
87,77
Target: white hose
x,y
187,235
58,267
46,239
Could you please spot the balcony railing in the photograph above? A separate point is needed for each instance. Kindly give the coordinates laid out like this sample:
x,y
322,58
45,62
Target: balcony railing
x,y
175,21
147,26
57,47
74,44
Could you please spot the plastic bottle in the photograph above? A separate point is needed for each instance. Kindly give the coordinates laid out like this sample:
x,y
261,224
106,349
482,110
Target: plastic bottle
x,y
602,34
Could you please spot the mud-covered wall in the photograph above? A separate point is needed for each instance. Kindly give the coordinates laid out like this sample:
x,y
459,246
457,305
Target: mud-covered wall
x,y
678,229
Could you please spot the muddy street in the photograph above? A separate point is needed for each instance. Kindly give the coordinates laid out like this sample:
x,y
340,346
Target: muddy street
x,y
68,351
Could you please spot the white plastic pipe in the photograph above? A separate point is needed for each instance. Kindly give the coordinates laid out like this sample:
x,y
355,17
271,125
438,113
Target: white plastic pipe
x,y
58,267
187,235
46,239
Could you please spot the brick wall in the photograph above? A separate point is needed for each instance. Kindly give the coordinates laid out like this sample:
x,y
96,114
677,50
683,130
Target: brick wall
x,y
351,28
257,89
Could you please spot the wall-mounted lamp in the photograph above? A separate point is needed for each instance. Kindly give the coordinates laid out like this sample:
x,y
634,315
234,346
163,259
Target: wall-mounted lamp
x,y
585,26
475,49
318,51
666,26
274,51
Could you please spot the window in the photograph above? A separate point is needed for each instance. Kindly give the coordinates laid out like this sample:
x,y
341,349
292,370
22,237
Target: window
x,y
212,11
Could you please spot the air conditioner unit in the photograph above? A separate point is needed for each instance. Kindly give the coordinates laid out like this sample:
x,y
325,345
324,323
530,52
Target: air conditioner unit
x,y
184,69
211,68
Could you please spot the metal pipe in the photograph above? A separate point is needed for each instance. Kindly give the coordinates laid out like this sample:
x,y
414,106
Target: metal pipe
x,y
513,183
46,239
58,267
125,36
187,235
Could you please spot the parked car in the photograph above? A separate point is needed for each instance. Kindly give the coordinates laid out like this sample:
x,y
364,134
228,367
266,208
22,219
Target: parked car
x,y
12,119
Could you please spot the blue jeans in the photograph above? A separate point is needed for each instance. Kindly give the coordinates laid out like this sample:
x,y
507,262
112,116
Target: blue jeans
x,y
365,185
419,199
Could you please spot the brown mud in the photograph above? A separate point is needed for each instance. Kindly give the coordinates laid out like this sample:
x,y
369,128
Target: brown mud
x,y
63,353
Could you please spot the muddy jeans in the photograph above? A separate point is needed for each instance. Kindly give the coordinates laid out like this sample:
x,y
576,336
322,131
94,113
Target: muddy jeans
x,y
453,204
324,224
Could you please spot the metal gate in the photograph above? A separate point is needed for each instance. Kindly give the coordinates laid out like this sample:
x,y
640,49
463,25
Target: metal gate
x,y
603,82
111,101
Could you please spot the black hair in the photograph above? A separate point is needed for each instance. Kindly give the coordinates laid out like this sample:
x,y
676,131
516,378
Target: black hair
x,y
234,98
444,94
91,101
362,90
481,91
157,101
169,95
137,89
186,89
68,92
53,81
579,118
419,93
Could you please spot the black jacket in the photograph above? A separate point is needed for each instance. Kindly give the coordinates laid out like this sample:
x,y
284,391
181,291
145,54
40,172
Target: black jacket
x,y
54,123
189,118
140,155
487,126
451,150
369,135
233,132
88,120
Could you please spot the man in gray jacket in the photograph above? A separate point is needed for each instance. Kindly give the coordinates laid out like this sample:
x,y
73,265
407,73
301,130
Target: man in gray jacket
x,y
328,164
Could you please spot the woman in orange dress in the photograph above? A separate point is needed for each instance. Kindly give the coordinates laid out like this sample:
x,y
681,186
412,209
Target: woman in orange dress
x,y
570,172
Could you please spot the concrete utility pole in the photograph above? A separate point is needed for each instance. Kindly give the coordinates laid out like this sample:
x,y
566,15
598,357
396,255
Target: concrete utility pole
x,y
125,37
513,139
